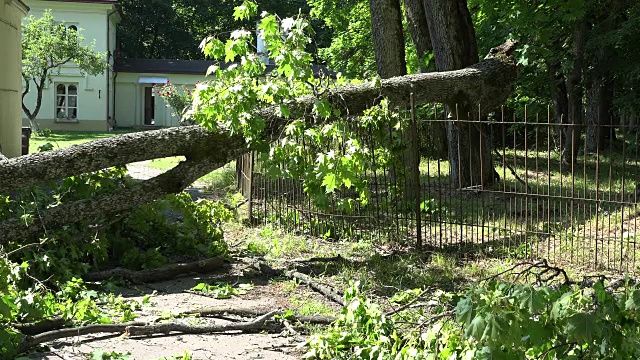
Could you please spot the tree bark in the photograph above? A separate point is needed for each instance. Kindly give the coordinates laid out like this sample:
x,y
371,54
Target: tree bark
x,y
600,130
575,96
418,29
388,38
487,82
436,131
560,101
454,45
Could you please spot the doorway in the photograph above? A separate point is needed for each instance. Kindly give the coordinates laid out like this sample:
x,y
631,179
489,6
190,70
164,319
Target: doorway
x,y
149,106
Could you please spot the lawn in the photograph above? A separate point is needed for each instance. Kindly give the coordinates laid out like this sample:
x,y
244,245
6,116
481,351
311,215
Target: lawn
x,y
63,139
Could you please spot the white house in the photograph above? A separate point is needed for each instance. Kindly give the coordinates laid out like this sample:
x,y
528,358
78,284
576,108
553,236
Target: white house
x,y
122,96
74,101
136,104
11,14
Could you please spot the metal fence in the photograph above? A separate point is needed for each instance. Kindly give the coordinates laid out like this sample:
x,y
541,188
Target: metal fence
x,y
576,204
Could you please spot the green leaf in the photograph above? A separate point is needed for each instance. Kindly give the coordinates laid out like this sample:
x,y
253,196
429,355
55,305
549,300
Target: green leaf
x,y
464,311
284,111
496,324
476,328
529,298
582,328
322,108
633,302
245,11
199,287
329,182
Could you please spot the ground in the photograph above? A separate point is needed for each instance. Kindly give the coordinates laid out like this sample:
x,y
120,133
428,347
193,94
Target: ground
x,y
382,268
382,272
170,297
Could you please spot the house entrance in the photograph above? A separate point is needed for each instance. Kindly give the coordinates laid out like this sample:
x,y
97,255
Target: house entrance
x,y
149,106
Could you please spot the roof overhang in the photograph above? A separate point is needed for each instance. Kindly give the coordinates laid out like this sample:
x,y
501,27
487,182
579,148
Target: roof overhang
x,y
20,5
152,80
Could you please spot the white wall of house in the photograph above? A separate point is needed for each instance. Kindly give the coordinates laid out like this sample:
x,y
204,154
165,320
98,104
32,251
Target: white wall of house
x,y
11,14
130,97
94,94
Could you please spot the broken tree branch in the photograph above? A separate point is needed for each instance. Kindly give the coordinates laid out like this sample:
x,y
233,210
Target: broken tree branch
x,y
34,328
317,286
252,312
31,341
172,181
256,325
162,273
487,83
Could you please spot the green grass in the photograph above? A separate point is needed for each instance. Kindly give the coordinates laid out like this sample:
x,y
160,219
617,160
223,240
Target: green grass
x,y
306,305
275,243
64,139
222,178
165,163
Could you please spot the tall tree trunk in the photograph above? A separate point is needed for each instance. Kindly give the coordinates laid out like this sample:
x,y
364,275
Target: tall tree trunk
x,y
560,102
436,131
388,40
572,132
600,130
454,44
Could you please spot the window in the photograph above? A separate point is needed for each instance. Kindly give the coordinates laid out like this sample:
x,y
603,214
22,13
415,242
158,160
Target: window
x,y
67,101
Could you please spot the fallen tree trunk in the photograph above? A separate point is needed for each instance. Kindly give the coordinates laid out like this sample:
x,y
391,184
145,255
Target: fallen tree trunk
x,y
487,83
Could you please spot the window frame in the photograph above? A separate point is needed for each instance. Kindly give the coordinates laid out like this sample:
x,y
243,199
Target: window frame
x,y
65,104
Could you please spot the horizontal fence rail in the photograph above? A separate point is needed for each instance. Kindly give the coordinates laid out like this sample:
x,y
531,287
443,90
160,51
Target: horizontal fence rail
x,y
515,184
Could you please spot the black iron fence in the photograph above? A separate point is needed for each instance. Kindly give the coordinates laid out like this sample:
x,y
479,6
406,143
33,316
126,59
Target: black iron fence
x,y
520,185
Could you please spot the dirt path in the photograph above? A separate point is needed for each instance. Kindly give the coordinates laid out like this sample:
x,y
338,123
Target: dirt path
x,y
172,297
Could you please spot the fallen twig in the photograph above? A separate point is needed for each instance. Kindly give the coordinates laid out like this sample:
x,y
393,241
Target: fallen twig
x,y
315,285
39,327
252,312
256,325
320,259
410,303
162,273
31,341
306,279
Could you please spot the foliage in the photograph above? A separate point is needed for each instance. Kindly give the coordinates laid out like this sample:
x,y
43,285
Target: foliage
x,y
351,49
222,290
47,45
163,29
100,354
328,156
145,238
21,302
361,331
491,320
179,98
547,33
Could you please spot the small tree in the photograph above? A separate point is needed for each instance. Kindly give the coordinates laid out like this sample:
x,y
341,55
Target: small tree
x,y
46,46
178,98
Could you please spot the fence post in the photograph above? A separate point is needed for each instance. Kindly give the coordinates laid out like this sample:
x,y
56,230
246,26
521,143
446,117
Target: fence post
x,y
250,194
415,173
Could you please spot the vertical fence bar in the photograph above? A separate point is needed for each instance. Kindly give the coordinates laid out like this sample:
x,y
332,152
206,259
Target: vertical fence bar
x,y
415,173
250,198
